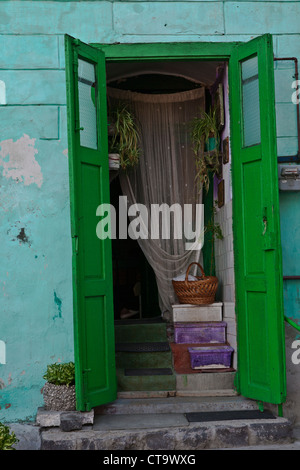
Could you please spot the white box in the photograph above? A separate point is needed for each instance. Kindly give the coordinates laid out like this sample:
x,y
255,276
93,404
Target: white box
x,y
197,313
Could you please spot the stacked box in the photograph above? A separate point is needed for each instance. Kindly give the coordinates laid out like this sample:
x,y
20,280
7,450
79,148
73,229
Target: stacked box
x,y
199,333
211,357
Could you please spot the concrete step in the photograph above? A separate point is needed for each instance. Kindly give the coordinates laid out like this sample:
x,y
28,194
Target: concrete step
x,y
144,332
205,384
167,432
176,404
144,382
155,359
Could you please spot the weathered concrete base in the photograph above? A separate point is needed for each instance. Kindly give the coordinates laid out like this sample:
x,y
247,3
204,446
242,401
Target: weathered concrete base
x,y
28,435
212,435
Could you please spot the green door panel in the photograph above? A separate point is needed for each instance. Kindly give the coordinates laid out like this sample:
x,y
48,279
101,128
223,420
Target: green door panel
x,y
257,245
92,260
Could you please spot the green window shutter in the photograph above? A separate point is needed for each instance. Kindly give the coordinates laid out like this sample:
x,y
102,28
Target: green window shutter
x,y
92,261
257,245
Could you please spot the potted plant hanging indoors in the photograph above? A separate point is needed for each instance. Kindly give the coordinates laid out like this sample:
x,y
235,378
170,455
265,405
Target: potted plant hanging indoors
x,y
123,138
59,389
205,144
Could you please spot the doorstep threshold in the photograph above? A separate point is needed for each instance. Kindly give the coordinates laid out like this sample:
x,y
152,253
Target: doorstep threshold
x,y
167,420
143,394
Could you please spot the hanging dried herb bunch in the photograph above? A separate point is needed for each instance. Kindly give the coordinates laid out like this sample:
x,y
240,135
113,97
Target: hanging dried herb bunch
x,y
203,129
124,135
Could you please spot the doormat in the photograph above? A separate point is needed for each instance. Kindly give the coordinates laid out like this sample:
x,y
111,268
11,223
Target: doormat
x,y
160,346
228,415
158,371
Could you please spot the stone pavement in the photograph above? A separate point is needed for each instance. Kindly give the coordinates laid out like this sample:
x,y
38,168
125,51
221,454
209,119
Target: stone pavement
x,y
156,424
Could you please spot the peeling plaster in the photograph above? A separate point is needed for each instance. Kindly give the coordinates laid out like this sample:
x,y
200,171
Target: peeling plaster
x,y
66,152
2,92
18,161
23,237
2,353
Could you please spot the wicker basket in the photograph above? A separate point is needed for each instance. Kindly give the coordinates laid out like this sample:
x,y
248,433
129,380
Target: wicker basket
x,y
198,292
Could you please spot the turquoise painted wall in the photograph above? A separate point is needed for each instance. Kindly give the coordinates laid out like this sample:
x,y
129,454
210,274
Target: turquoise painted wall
x,y
35,248
290,236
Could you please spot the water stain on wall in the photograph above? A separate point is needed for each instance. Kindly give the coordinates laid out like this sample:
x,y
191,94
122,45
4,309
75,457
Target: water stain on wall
x,y
58,304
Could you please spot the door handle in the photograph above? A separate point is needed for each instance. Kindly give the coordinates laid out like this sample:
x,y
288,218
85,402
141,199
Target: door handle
x,y
265,222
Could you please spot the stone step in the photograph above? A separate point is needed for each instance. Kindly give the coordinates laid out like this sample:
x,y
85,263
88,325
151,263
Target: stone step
x,y
168,432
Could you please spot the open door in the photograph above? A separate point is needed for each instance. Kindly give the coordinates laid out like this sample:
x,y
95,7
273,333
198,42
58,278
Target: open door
x,y
92,261
257,246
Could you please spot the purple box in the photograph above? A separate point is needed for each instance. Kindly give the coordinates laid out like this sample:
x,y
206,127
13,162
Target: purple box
x,y
201,332
211,356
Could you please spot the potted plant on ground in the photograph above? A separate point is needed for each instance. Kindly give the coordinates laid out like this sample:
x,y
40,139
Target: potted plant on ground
x,y
7,438
123,137
205,144
59,389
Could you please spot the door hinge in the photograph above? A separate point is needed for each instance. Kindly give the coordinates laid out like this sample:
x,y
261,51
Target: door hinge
x,y
75,244
87,406
85,388
260,406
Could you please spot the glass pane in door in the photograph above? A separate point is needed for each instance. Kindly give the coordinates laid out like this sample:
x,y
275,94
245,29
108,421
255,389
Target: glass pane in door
x,y
87,108
250,102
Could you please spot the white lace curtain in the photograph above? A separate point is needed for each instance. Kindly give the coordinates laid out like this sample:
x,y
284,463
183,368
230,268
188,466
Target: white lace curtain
x,y
165,174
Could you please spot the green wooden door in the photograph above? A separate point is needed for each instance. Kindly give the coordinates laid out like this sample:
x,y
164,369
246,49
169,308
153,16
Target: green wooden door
x,y
92,261
257,246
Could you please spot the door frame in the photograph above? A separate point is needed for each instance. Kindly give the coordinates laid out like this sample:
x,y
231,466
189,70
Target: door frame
x,y
179,51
